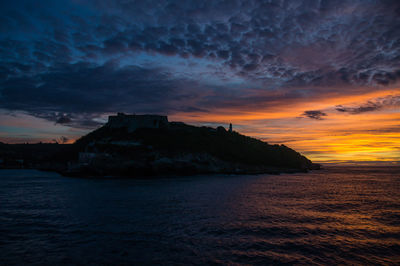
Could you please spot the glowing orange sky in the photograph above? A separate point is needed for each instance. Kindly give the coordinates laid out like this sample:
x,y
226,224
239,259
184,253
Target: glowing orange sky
x,y
339,137
370,136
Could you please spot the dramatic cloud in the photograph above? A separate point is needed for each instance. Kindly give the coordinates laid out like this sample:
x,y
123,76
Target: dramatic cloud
x,y
266,44
85,89
315,114
372,105
72,63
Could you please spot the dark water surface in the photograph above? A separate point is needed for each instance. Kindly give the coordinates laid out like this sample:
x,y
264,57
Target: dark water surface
x,y
332,216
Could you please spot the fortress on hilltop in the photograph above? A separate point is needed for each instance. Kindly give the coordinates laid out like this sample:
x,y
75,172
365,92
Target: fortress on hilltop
x,y
133,122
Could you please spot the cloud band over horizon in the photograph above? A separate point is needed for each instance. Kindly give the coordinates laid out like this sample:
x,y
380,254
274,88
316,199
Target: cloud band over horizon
x,y
73,62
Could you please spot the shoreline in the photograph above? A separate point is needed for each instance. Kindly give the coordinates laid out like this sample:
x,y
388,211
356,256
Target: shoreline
x,y
150,173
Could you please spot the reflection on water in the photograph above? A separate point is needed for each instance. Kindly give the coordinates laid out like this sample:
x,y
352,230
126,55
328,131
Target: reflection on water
x,y
338,215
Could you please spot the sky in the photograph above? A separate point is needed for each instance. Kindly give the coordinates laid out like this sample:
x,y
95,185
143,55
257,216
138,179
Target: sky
x,y
320,76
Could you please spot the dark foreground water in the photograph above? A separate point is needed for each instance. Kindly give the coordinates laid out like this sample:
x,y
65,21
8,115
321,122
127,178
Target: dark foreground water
x,y
332,216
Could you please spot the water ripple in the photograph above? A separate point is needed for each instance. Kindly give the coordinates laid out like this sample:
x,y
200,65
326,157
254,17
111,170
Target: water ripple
x,y
333,216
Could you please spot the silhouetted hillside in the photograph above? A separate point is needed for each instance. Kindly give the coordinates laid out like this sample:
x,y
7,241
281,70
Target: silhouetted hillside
x,y
173,149
180,138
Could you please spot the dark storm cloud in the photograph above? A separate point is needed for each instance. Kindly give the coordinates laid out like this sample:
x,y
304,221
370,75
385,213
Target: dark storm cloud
x,y
299,43
314,114
84,89
67,56
372,105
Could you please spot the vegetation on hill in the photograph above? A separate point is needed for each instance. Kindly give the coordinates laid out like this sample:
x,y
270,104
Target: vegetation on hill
x,y
181,138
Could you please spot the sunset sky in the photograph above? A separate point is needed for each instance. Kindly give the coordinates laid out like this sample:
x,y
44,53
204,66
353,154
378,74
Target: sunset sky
x,y
321,77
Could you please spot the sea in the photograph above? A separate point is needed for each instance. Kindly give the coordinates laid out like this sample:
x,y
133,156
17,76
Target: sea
x,y
338,215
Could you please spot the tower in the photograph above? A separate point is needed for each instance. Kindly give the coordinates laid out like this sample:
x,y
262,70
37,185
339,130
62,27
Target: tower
x,y
230,127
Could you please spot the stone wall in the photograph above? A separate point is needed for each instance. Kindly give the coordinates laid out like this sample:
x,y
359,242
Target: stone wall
x,y
133,122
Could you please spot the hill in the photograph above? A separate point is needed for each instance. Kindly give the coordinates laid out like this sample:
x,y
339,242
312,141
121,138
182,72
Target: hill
x,y
171,149
182,149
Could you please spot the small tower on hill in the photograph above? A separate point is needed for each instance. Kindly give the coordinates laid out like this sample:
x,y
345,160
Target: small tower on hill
x,y
230,127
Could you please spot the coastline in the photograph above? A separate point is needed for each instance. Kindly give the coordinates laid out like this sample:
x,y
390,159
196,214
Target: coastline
x,y
87,172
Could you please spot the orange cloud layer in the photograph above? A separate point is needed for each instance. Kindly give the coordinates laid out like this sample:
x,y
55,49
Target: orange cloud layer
x,y
369,136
